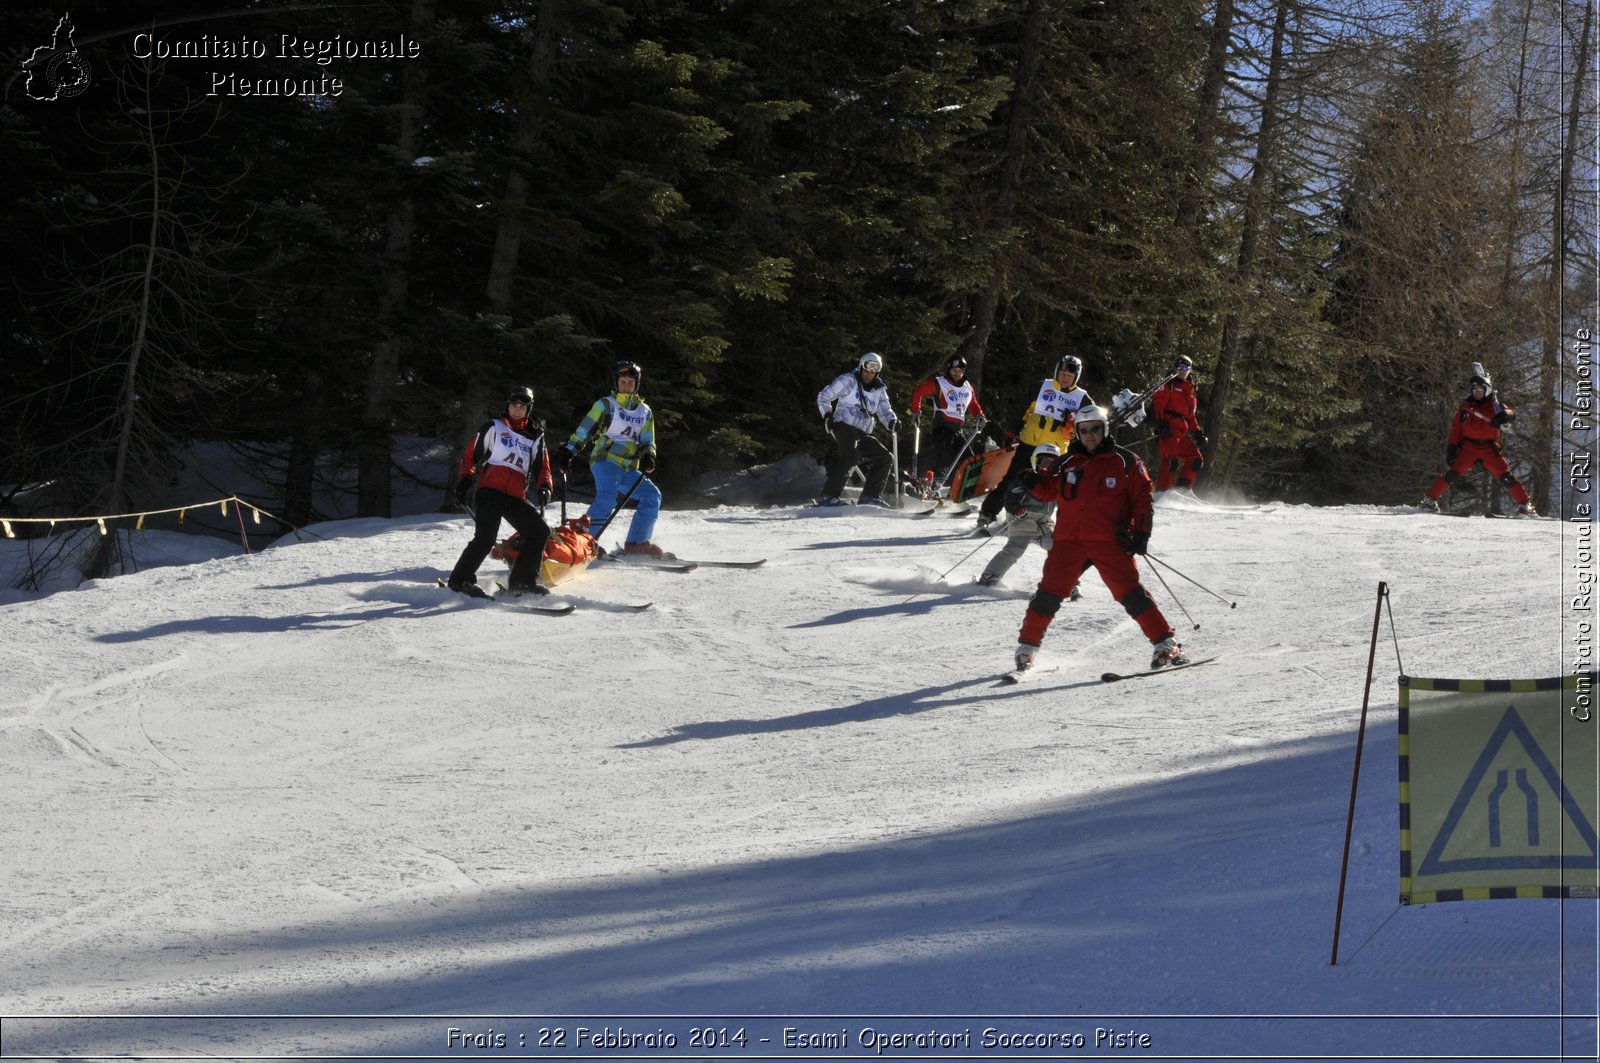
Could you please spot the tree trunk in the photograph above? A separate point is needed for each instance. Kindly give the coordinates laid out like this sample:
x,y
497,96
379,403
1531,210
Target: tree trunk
x,y
1186,220
1249,240
508,233
975,345
128,404
109,552
374,462
1551,373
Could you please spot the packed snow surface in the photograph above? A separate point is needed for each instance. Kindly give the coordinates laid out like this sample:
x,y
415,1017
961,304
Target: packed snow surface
x,y
330,809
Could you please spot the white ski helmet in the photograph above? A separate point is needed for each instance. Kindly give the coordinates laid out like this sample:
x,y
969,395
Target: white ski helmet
x,y
1089,415
871,360
1044,454
1480,375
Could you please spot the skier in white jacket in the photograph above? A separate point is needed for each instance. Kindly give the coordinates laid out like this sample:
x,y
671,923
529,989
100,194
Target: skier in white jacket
x,y
849,407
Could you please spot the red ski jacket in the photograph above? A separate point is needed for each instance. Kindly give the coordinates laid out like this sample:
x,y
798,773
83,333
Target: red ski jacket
x,y
938,388
1174,404
1101,496
1479,421
507,455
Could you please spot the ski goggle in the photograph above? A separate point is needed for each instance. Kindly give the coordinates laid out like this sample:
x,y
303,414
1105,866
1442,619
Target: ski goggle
x,y
519,395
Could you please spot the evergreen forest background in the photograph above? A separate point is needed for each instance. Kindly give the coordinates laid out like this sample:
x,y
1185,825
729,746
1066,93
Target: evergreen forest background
x,y
1333,208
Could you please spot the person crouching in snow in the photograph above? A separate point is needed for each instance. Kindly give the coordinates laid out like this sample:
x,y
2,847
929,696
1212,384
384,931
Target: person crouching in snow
x,y
1474,438
1103,518
620,432
1032,521
502,461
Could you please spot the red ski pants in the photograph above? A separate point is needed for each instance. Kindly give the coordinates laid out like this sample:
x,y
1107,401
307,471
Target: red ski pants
x,y
1180,449
1067,561
1469,455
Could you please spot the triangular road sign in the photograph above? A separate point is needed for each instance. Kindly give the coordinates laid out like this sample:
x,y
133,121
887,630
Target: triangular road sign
x,y
1513,812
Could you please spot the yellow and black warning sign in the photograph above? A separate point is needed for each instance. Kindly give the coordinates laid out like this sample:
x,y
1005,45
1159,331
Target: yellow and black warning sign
x,y
1498,793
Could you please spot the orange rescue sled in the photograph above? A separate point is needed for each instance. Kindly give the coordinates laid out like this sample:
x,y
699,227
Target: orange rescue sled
x,y
979,474
566,555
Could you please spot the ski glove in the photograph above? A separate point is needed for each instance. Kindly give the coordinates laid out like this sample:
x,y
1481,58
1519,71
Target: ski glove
x,y
1137,542
464,489
1505,416
1199,438
563,456
542,496
1164,429
647,461
827,426
1450,453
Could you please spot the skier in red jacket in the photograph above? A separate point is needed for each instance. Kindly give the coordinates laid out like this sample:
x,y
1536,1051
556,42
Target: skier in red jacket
x,y
502,461
1103,519
954,398
1474,438
1178,435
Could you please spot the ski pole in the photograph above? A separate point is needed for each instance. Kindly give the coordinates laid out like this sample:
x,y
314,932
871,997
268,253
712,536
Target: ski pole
x,y
916,447
953,567
1197,583
620,506
963,561
894,437
1175,598
949,472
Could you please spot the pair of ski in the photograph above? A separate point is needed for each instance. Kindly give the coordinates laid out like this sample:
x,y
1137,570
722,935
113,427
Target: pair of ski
x,y
672,563
1019,675
909,507
532,603
1491,516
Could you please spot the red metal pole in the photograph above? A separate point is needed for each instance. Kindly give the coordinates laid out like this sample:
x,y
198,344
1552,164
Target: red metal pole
x,y
1355,774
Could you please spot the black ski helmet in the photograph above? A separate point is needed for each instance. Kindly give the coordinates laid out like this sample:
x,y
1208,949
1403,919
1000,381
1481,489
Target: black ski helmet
x,y
1072,363
520,393
627,369
954,362
1183,361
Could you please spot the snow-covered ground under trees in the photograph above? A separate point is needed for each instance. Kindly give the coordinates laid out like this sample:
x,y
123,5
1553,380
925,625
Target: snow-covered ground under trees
x,y
331,810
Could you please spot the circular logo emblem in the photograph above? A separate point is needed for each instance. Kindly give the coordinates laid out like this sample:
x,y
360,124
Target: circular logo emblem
x,y
68,75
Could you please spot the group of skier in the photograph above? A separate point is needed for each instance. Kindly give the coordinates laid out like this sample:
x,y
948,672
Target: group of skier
x,y
1069,487
509,458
